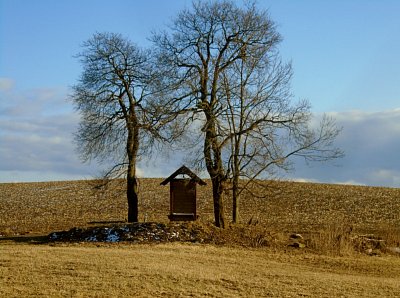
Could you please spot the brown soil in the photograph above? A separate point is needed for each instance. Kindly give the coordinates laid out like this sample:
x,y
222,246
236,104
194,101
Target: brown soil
x,y
41,208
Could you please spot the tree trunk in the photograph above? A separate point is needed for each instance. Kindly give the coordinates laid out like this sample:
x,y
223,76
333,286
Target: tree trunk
x,y
218,191
213,161
235,199
235,182
132,185
132,196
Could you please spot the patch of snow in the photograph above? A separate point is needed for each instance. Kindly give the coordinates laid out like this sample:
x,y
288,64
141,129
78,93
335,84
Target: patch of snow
x,y
53,236
112,236
174,234
125,229
91,239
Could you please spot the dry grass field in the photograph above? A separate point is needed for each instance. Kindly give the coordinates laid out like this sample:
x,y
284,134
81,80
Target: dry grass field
x,y
324,214
189,270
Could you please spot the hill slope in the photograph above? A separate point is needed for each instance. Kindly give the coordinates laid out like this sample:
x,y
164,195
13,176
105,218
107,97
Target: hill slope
x,y
288,206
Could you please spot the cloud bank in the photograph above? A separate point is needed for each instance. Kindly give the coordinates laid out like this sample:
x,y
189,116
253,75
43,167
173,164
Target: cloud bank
x,y
36,144
36,139
371,142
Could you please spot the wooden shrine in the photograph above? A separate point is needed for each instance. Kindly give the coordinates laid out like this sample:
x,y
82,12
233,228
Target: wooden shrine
x,y
183,194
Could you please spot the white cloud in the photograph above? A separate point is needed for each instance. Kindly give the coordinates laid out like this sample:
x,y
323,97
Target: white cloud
x,y
36,137
386,175
371,142
39,176
304,180
349,182
36,128
6,84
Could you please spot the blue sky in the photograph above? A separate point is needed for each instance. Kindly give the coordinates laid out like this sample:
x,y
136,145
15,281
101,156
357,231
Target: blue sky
x,y
345,56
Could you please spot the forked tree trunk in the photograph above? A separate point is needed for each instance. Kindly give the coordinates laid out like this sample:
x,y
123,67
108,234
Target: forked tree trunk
x,y
218,191
213,161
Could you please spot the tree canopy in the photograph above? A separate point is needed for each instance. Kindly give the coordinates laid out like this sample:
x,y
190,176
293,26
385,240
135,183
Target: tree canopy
x,y
215,72
123,112
226,63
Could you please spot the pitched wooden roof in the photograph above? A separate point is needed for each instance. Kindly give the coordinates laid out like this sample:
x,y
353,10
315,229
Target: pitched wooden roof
x,y
183,170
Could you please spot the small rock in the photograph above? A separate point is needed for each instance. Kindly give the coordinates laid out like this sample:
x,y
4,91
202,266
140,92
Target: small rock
x,y
296,236
297,245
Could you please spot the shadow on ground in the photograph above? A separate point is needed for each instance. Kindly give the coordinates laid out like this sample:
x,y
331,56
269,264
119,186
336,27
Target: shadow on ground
x,y
31,239
106,222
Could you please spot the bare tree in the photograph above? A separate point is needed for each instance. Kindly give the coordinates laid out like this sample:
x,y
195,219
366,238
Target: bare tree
x,y
225,65
262,125
122,112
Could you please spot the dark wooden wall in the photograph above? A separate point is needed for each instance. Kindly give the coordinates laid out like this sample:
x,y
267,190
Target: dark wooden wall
x,y
183,196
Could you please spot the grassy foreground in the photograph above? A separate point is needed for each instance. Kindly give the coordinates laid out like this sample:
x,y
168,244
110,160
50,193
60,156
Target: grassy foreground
x,y
189,270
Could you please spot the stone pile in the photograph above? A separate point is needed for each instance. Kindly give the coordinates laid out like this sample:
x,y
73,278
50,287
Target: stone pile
x,y
134,232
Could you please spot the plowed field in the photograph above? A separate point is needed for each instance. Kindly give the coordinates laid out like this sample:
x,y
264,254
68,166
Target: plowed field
x,y
32,208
